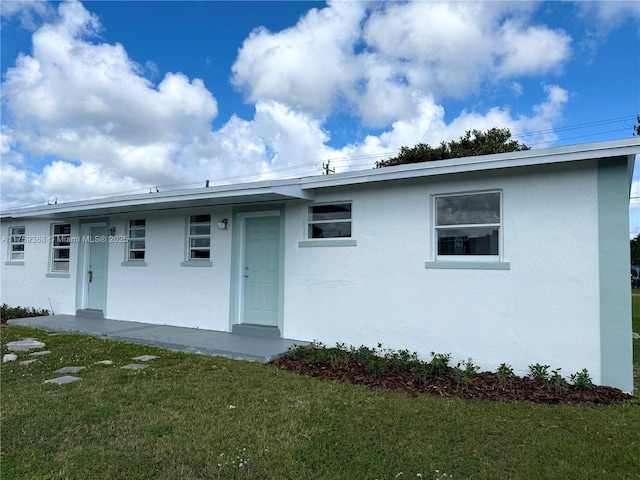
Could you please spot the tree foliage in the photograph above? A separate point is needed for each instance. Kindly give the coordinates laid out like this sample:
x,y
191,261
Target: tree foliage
x,y
472,143
635,251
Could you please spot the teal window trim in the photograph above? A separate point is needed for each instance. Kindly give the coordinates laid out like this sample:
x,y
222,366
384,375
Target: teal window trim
x,y
468,265
14,264
197,263
58,275
329,242
132,263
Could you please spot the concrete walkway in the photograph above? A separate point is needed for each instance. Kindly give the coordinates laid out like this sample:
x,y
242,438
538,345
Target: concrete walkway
x,y
182,339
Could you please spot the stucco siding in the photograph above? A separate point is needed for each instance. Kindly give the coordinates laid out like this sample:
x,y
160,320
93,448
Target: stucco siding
x,y
27,285
164,291
543,309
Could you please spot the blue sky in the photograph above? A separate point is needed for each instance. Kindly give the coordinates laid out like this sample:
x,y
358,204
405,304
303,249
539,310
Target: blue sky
x,y
113,97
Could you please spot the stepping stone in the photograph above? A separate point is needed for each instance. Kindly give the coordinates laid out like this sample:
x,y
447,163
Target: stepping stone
x,y
24,345
135,366
144,358
27,362
104,362
69,369
37,354
62,380
635,335
9,357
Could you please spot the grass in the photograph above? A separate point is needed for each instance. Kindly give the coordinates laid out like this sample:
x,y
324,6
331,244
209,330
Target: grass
x,y
192,416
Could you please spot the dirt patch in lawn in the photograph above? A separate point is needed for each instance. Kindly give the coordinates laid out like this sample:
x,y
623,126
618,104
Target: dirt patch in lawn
x,y
485,385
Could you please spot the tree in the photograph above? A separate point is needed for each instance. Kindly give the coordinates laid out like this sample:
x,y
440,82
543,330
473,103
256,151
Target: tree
x,y
474,142
635,251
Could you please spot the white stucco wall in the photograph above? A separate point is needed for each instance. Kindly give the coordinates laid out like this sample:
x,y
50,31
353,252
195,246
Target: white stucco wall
x,y
163,291
27,285
544,309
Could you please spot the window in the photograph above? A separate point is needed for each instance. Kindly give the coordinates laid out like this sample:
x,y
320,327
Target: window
x,y
136,244
199,239
330,221
468,225
60,247
16,243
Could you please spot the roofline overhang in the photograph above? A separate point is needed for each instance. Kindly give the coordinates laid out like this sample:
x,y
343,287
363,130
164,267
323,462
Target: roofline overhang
x,y
304,188
590,151
259,192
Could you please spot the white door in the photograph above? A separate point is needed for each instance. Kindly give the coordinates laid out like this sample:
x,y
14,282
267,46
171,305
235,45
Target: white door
x,y
261,270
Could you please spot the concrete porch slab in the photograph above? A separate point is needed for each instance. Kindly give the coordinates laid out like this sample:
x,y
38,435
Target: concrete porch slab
x,y
182,339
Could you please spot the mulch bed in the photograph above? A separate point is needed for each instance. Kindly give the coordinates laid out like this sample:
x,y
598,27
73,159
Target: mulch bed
x,y
485,385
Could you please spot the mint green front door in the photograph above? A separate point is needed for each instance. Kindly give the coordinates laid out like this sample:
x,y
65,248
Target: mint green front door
x,y
96,275
261,270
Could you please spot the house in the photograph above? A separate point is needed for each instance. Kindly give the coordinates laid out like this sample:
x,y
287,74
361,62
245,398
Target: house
x,y
519,257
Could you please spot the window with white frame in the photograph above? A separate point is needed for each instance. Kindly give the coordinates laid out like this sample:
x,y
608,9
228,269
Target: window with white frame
x,y
16,243
137,244
199,238
60,248
468,225
329,221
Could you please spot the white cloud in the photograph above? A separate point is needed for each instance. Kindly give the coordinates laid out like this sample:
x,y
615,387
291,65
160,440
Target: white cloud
x,y
609,14
382,60
104,126
27,11
303,66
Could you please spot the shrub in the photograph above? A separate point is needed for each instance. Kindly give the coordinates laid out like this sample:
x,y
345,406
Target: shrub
x,y
439,363
539,373
464,376
7,312
505,375
557,381
582,380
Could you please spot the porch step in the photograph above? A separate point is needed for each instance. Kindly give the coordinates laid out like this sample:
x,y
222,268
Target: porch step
x,y
256,330
89,313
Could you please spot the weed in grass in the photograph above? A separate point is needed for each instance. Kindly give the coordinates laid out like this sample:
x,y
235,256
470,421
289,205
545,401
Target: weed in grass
x,y
582,380
464,373
439,363
505,375
539,373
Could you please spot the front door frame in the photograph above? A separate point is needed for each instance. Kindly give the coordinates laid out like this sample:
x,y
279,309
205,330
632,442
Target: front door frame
x,y
83,260
238,252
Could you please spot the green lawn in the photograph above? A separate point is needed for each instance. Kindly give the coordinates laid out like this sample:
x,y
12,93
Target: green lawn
x,y
192,416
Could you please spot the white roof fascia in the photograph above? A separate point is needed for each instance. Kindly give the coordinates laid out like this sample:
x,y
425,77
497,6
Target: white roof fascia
x,y
218,195
616,148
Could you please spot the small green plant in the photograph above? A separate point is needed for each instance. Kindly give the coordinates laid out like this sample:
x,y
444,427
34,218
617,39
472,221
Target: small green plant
x,y
539,373
318,355
338,356
402,360
465,372
557,381
370,360
296,351
582,380
505,375
439,363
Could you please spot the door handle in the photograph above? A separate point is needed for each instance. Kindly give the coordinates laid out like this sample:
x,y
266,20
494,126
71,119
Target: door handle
x,y
90,276
246,275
